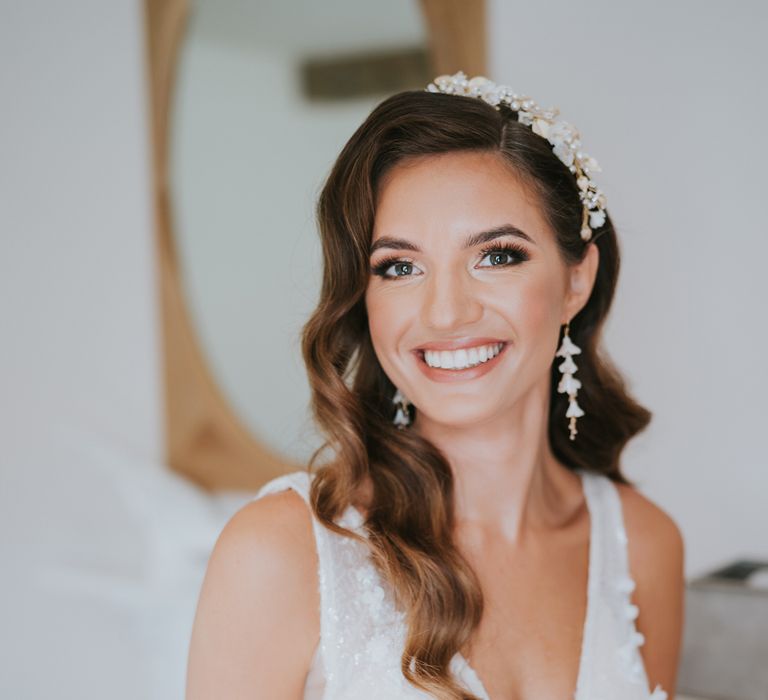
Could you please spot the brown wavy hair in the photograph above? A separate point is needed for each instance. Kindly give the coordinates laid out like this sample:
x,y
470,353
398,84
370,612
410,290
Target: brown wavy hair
x,y
404,480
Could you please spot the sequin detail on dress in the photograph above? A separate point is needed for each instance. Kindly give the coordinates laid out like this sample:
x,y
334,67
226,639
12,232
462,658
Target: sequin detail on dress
x,y
362,634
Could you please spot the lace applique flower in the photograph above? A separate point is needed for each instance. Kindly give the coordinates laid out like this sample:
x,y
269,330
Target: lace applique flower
x,y
372,594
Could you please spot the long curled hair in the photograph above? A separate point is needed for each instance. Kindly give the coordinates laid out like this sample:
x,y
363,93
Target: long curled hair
x,y
404,479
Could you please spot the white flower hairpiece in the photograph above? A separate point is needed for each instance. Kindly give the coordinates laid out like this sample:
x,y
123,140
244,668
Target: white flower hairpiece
x,y
565,139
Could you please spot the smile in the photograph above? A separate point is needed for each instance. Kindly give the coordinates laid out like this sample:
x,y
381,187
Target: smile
x,y
462,358
461,364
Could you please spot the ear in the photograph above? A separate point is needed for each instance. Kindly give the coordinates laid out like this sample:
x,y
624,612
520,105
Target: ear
x,y
581,279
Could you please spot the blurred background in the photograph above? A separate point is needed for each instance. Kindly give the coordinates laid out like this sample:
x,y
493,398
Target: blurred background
x,y
159,165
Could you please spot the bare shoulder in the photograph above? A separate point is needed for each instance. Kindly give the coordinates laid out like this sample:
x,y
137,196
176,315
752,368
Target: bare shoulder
x,y
257,621
654,535
656,552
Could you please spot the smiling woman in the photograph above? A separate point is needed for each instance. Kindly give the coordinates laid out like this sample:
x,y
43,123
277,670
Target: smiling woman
x,y
475,527
497,278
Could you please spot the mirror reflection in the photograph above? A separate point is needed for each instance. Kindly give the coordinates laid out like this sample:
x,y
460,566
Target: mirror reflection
x,y
265,97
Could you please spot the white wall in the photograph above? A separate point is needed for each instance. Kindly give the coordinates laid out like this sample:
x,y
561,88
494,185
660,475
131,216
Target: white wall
x,y
669,98
79,349
78,290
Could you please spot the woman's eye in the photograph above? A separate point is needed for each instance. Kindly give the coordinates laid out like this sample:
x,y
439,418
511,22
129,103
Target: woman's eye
x,y
401,269
502,258
392,269
498,258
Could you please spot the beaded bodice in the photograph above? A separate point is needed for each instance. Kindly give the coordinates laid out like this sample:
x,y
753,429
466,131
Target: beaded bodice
x,y
362,634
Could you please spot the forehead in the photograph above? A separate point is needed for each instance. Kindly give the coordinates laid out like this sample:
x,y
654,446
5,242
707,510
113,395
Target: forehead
x,y
450,194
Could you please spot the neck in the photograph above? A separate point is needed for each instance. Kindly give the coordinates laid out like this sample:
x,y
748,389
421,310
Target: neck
x,y
506,479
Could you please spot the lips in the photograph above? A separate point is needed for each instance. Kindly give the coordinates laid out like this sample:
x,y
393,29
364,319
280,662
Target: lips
x,y
458,360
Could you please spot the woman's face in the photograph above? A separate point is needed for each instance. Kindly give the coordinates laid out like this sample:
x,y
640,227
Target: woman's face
x,y
446,288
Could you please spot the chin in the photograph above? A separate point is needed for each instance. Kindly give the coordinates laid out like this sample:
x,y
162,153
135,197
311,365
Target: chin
x,y
459,417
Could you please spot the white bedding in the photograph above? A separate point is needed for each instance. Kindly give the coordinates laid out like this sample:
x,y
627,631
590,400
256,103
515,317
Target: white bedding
x,y
101,577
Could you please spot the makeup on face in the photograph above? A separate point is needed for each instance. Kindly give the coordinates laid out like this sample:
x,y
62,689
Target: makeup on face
x,y
501,253
461,268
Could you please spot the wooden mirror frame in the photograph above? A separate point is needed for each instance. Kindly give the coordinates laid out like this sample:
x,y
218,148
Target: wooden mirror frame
x,y
205,440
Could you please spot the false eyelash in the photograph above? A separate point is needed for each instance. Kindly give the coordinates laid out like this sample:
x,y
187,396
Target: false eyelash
x,y
384,265
506,247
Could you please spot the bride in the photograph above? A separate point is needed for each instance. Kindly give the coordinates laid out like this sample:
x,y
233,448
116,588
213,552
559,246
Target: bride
x,y
471,534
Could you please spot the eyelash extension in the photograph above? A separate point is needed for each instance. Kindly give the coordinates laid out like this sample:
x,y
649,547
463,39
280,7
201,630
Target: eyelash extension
x,y
385,264
510,248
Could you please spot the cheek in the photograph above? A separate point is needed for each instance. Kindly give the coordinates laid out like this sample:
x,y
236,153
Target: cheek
x,y
541,305
542,311
385,315
387,319
535,309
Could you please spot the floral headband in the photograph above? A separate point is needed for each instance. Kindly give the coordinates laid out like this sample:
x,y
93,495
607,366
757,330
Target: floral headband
x,y
565,139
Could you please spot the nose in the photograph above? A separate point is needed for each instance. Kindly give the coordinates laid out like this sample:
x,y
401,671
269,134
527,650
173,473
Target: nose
x,y
449,301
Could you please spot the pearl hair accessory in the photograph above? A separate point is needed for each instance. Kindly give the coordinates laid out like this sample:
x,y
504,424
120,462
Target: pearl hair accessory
x,y
565,139
402,417
568,383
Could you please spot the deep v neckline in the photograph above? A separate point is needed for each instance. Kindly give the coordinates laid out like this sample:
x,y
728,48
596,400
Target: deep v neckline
x,y
477,685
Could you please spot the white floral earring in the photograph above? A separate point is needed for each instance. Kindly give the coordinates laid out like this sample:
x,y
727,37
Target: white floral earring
x,y
402,417
568,383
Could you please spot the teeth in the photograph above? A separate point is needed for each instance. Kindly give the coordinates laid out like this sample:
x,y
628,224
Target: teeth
x,y
461,359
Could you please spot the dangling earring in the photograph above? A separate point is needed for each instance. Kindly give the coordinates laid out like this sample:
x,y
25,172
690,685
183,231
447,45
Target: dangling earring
x,y
568,383
402,417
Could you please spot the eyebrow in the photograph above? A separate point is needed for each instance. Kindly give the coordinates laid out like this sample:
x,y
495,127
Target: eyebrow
x,y
471,241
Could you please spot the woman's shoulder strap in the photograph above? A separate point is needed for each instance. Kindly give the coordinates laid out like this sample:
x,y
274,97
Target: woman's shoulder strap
x,y
606,509
617,575
299,481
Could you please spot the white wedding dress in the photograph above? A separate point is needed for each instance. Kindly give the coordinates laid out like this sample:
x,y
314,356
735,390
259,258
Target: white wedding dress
x,y
362,634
